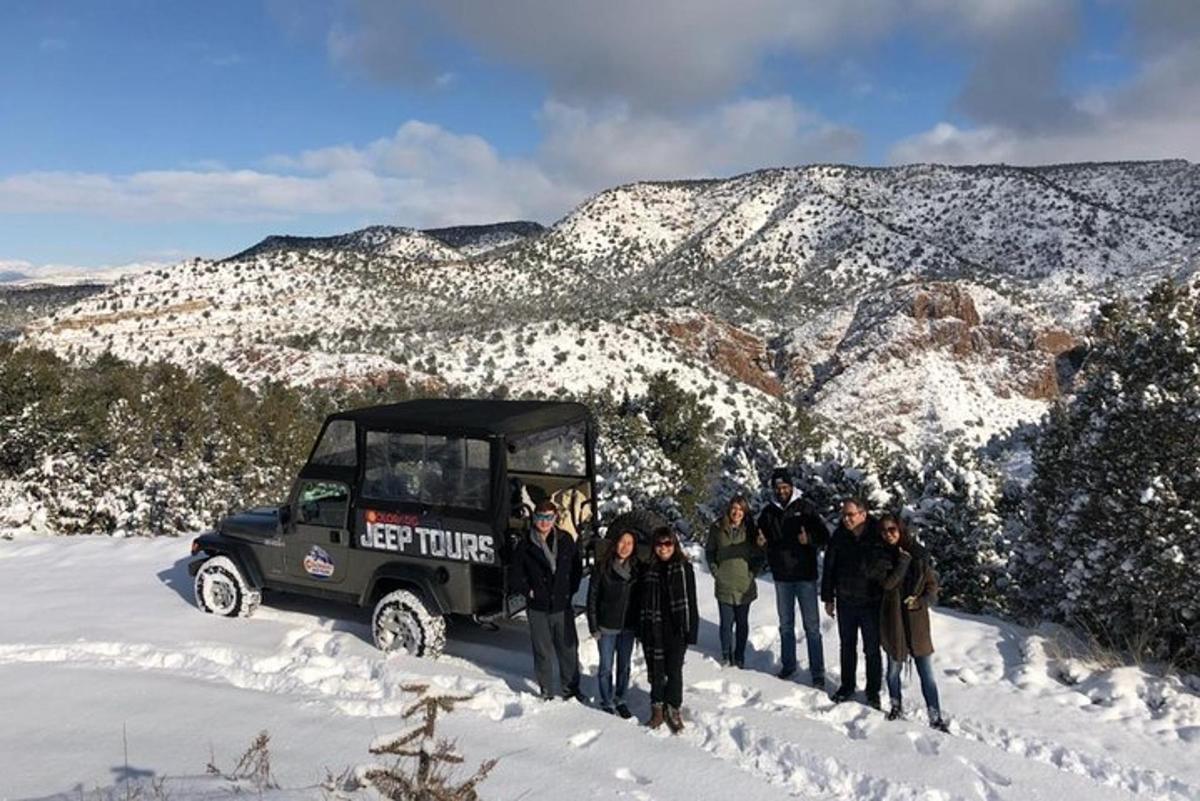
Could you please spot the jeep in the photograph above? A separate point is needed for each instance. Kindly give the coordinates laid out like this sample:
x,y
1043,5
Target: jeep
x,y
411,509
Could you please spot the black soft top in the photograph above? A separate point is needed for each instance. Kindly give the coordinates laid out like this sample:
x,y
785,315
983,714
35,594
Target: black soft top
x,y
475,418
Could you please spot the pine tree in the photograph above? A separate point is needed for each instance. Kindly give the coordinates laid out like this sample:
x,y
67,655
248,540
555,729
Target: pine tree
x,y
1113,539
951,505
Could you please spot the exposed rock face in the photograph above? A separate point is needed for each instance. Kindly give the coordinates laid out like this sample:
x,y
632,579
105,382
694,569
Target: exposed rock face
x,y
938,301
1055,341
731,350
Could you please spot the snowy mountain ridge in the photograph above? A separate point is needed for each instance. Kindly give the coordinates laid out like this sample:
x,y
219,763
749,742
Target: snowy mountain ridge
x,y
433,244
918,302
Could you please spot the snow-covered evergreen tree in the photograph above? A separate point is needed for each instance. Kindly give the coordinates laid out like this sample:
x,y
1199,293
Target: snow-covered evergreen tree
x,y
951,505
1113,533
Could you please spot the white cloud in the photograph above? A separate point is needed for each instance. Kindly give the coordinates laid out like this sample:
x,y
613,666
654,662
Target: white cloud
x,y
602,148
425,175
669,53
1155,115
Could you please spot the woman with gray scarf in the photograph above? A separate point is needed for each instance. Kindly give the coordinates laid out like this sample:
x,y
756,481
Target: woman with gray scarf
x,y
613,617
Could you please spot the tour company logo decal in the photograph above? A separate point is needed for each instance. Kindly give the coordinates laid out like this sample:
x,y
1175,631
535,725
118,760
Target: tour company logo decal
x,y
389,531
318,563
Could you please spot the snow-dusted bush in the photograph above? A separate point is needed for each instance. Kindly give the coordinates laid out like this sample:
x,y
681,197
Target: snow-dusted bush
x,y
113,447
1112,536
951,503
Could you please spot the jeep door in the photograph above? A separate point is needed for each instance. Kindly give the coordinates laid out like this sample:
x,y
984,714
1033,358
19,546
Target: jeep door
x,y
316,546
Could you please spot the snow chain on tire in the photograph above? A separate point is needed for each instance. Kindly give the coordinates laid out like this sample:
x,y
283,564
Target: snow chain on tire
x,y
221,589
402,622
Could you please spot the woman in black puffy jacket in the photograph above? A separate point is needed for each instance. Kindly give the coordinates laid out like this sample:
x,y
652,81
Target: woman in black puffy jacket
x,y
612,619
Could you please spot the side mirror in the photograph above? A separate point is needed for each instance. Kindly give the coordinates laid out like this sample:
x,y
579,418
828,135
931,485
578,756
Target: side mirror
x,y
285,516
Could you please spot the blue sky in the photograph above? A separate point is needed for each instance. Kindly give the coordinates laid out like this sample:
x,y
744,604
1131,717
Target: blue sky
x,y
133,130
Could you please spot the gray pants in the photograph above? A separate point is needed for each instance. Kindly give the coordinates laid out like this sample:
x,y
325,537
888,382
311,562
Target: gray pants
x,y
553,635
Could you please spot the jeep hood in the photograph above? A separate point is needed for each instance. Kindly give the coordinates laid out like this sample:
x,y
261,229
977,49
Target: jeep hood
x,y
259,523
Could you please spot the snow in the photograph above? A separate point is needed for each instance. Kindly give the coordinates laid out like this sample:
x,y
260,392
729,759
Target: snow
x,y
102,646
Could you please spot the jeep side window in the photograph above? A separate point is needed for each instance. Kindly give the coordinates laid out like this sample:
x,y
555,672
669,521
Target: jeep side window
x,y
558,452
322,503
336,447
431,470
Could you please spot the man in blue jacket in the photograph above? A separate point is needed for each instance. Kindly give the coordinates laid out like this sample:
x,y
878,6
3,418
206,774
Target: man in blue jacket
x,y
547,569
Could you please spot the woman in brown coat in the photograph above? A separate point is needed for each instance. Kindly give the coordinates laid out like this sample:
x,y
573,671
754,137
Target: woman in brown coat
x,y
909,588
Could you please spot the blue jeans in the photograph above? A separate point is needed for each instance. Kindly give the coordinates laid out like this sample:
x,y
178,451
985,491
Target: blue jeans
x,y
787,595
735,629
928,685
620,647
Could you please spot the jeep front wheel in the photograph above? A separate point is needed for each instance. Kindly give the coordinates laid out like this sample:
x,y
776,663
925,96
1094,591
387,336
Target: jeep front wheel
x,y
403,623
221,589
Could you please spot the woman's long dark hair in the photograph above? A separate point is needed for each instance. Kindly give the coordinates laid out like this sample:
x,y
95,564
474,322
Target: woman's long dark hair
x,y
906,539
610,555
665,533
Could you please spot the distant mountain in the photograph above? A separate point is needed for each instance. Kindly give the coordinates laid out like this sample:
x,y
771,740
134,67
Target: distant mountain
x,y
435,244
919,302
475,239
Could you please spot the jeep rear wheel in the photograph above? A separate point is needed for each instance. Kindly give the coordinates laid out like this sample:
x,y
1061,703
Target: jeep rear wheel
x,y
403,623
221,589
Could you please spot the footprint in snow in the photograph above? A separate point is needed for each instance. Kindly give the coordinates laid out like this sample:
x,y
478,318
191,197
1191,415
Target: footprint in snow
x,y
923,744
857,729
627,775
989,780
731,694
584,738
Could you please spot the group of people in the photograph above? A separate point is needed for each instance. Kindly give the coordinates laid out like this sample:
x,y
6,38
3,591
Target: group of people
x,y
873,577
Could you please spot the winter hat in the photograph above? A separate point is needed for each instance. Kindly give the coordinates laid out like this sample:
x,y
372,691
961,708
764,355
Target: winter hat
x,y
781,475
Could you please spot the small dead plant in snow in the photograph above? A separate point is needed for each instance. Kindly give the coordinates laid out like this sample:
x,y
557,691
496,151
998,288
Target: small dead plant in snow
x,y
425,765
253,767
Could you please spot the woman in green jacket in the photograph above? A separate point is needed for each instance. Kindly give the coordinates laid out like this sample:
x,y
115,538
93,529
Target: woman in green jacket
x,y
734,558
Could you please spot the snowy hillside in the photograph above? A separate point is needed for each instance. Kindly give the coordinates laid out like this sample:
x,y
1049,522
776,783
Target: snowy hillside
x,y
145,688
915,302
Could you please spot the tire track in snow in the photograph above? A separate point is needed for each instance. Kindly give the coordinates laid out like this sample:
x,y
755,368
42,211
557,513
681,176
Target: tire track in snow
x,y
309,665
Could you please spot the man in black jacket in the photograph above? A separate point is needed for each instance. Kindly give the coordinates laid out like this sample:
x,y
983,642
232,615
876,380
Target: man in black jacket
x,y
853,596
547,568
793,535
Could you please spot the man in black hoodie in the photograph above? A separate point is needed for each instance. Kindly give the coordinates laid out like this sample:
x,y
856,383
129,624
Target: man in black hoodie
x,y
854,597
547,568
793,535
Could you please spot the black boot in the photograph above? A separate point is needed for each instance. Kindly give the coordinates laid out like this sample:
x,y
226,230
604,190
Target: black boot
x,y
896,712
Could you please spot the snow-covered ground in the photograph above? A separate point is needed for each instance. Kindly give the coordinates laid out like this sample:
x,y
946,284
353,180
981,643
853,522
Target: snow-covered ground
x,y
108,671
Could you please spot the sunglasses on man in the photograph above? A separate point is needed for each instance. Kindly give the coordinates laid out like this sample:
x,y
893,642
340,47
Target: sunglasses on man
x,y
543,517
